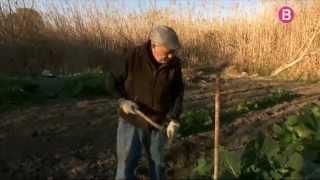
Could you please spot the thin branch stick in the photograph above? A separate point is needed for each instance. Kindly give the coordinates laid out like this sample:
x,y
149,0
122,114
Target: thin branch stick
x,y
300,58
216,129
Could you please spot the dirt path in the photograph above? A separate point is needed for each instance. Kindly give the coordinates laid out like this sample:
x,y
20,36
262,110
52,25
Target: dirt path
x,y
68,140
77,139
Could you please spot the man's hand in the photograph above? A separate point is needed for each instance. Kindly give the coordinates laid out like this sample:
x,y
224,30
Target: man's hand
x,y
172,129
128,106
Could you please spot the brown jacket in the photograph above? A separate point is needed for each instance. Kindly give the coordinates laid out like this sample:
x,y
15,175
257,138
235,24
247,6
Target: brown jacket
x,y
156,88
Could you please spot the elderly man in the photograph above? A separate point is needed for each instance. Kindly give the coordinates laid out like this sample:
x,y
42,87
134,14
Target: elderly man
x,y
151,83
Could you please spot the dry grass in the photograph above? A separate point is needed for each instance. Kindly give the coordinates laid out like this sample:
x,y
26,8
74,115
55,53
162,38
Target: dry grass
x,y
88,37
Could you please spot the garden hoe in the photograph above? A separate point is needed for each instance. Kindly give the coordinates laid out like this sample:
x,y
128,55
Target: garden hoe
x,y
148,120
152,123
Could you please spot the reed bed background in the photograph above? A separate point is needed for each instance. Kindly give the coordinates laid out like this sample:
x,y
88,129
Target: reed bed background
x,y
68,39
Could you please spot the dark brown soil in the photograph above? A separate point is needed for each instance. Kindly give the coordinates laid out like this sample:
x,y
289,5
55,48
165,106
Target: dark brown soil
x,y
77,139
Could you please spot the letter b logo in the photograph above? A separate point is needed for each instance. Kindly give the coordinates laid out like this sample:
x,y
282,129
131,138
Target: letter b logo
x,y
286,14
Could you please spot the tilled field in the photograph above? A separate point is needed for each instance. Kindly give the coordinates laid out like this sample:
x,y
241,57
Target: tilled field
x,y
77,139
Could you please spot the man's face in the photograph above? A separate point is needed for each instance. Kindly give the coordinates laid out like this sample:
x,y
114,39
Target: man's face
x,y
162,54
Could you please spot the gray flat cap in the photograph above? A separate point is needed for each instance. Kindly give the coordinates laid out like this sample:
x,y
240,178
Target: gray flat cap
x,y
166,36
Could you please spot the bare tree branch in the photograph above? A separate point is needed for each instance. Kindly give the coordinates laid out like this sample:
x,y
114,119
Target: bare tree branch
x,y
300,58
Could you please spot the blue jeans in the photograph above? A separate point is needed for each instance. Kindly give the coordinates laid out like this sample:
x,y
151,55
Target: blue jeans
x,y
130,141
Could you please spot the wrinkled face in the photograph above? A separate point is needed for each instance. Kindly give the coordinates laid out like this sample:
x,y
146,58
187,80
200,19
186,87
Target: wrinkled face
x,y
162,54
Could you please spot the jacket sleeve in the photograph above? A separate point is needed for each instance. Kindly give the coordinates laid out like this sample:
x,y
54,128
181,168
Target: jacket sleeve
x,y
176,106
116,77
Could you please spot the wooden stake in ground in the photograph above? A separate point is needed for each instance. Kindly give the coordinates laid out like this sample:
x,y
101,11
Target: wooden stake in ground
x,y
216,129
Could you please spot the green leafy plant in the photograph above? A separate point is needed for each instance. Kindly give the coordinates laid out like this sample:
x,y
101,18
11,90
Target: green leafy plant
x,y
194,122
86,84
292,152
17,91
276,96
200,121
231,162
203,168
